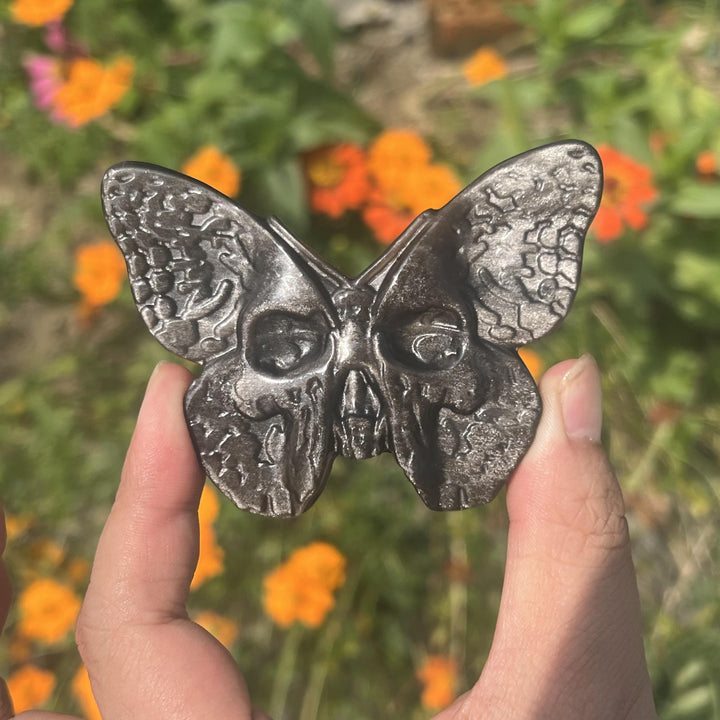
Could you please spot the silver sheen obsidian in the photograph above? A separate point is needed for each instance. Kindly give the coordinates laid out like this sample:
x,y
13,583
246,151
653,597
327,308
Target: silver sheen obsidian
x,y
416,356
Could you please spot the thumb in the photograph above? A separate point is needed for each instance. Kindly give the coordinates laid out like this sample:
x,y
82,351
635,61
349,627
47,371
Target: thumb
x,y
568,642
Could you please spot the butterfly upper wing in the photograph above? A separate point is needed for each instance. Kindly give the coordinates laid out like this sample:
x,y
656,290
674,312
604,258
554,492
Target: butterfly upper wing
x,y
495,268
522,226
216,286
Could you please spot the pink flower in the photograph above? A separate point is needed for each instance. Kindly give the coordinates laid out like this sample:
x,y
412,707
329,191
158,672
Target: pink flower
x,y
45,79
55,37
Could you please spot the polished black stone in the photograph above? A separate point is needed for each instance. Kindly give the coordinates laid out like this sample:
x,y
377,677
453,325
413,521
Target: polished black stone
x,y
416,356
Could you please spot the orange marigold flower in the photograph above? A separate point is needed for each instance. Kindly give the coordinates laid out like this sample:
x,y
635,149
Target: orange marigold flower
x,y
484,66
386,217
533,362
222,628
395,154
99,272
209,507
430,186
301,589
338,179
20,648
48,610
39,12
16,525
628,188
211,558
706,163
47,552
84,695
30,687
91,89
78,570
658,142
213,168
438,675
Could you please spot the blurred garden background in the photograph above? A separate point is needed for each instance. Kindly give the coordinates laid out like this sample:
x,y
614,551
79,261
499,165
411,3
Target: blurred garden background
x,y
346,119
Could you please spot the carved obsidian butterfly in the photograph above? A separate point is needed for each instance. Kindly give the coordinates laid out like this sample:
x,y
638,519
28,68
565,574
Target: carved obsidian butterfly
x,y
416,356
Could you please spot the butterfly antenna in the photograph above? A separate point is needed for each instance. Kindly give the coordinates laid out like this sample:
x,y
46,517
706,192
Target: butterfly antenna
x,y
301,249
375,272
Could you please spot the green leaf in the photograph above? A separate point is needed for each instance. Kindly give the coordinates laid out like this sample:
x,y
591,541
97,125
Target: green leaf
x,y
590,21
698,200
283,190
244,33
698,274
690,704
317,29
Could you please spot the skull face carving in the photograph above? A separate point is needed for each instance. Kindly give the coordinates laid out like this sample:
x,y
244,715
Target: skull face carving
x,y
416,356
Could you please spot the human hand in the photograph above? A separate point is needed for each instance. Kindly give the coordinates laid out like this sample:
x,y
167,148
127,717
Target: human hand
x,y
568,642
145,657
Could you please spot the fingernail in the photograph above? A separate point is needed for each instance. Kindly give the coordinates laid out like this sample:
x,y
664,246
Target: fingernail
x,y
581,400
155,373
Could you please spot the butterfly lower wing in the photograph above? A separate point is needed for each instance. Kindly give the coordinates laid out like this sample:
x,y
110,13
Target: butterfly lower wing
x,y
458,447
267,447
495,268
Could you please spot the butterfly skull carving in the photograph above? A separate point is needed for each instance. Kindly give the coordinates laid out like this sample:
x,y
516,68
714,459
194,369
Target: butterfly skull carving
x,y
416,356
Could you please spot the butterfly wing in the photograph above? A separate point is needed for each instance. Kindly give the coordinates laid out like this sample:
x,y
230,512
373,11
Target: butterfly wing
x,y
495,268
217,286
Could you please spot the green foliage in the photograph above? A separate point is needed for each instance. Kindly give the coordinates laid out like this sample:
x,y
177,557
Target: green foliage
x,y
257,79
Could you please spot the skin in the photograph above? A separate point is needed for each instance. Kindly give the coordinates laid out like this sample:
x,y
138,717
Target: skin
x,y
568,642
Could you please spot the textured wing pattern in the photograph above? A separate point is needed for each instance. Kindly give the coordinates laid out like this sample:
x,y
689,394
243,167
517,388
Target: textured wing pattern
x,y
267,446
520,229
460,444
193,256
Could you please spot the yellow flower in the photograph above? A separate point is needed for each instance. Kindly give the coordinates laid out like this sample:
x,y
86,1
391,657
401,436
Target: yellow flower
x,y
532,361
301,589
484,66
30,687
99,272
39,12
438,674
213,168
84,695
48,610
211,558
224,629
91,89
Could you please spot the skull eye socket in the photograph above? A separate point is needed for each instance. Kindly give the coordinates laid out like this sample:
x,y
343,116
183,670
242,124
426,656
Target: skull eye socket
x,y
282,343
429,340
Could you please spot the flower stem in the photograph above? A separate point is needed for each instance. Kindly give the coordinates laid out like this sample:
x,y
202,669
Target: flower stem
x,y
316,685
285,671
512,113
457,588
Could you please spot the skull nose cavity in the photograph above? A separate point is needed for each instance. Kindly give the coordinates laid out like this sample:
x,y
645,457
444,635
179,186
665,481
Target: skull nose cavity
x,y
358,398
